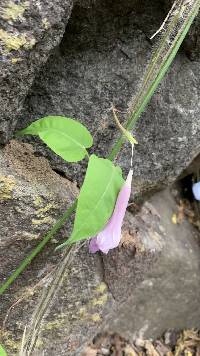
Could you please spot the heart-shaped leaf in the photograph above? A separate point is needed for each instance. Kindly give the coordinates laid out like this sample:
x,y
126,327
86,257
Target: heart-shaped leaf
x,y
97,198
2,351
68,138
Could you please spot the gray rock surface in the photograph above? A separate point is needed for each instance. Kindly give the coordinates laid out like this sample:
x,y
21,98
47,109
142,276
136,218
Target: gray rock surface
x,y
191,43
169,296
100,61
148,284
32,197
151,282
29,30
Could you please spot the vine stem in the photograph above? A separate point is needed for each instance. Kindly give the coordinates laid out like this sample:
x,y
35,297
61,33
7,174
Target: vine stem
x,y
38,248
188,11
167,60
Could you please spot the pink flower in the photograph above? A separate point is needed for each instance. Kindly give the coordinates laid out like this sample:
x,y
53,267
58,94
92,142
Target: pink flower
x,y
110,236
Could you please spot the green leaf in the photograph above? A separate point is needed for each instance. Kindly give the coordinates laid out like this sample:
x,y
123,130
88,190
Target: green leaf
x,y
68,138
2,351
97,198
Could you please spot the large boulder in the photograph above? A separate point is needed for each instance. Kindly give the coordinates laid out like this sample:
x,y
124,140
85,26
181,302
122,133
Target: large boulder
x,y
101,60
151,281
29,30
32,197
147,285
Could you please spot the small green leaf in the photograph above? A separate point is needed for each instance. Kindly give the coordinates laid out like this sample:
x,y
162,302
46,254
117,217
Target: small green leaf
x,y
97,198
68,138
2,351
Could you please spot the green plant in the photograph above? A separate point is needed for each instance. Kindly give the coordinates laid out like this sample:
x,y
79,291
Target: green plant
x,y
180,20
2,351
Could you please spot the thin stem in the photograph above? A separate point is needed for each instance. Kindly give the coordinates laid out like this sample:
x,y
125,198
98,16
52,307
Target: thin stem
x,y
87,154
38,248
159,54
153,85
150,84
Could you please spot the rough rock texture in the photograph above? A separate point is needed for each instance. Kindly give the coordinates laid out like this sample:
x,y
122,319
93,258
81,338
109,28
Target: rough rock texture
x,y
169,296
150,283
28,32
31,198
100,61
30,29
191,43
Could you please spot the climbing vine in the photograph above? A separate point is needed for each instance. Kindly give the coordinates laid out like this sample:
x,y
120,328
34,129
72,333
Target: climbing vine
x,y
71,140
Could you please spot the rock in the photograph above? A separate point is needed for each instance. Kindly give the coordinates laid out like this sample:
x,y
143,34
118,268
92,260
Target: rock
x,y
151,281
191,43
168,297
31,198
101,61
147,285
29,31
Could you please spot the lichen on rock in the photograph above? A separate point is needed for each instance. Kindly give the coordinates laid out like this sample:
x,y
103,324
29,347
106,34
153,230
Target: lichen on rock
x,y
15,42
151,281
13,11
7,184
28,32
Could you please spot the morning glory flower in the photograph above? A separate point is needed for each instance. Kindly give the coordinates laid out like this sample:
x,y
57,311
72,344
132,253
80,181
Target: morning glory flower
x,y
110,236
196,190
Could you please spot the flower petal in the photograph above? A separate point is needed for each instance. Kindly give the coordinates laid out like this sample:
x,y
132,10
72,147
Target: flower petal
x,y
110,236
93,246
